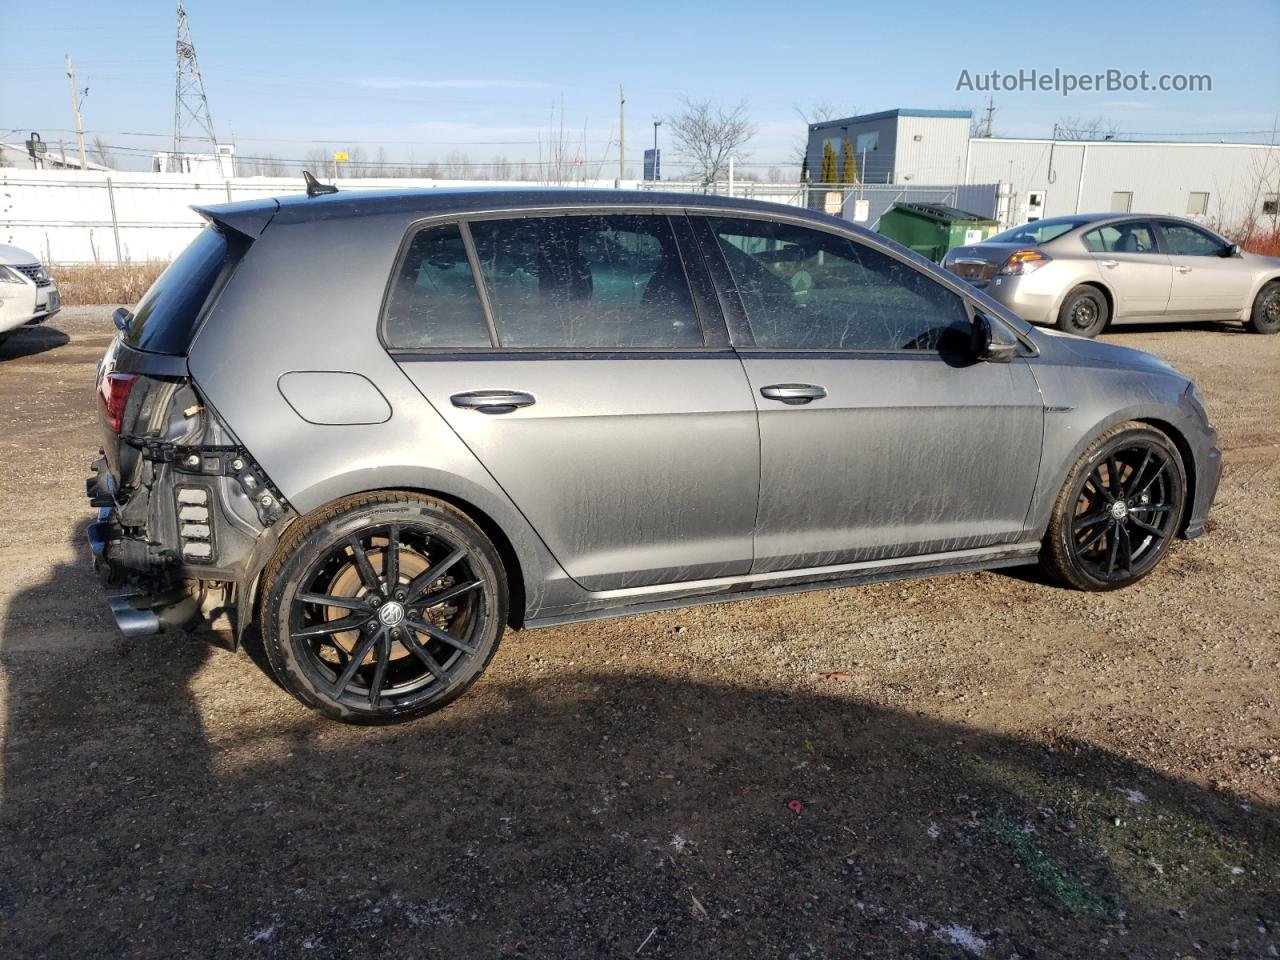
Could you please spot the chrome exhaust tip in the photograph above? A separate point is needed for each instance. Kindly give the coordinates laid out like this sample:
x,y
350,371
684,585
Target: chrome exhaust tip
x,y
131,621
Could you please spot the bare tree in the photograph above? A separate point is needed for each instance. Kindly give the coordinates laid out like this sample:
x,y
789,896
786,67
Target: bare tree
x,y
458,166
501,168
319,161
706,135
1081,128
102,152
269,165
561,161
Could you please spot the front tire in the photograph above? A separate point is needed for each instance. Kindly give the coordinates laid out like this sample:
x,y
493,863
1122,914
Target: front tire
x,y
1084,312
383,607
1118,511
1265,316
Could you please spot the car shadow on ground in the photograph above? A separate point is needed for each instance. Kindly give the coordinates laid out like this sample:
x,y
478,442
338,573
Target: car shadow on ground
x,y
29,341
1217,326
162,798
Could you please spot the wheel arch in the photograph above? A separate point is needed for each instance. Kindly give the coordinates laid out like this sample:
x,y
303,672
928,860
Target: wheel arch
x,y
248,594
1065,460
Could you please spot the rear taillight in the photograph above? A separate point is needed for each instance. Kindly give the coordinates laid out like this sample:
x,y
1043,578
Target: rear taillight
x,y
1023,262
113,394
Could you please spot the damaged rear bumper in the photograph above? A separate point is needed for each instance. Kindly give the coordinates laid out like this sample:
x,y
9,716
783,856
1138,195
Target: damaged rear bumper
x,y
139,601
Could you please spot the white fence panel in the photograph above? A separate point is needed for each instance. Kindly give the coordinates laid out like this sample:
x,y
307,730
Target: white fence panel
x,y
109,217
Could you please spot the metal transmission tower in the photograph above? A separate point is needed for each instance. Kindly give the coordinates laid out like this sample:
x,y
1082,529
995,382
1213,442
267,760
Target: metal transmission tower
x,y
190,105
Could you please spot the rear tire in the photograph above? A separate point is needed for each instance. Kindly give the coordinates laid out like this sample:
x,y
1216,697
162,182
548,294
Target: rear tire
x,y
382,607
1119,510
1084,313
1265,316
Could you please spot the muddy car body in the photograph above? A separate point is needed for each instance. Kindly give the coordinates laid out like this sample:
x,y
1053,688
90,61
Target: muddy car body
x,y
383,427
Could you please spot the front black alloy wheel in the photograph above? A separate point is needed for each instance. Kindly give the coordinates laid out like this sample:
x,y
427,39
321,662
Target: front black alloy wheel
x,y
1119,511
383,607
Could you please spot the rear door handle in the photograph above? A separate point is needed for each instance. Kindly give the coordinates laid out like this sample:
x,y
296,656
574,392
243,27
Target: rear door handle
x,y
492,401
1109,264
793,393
1182,269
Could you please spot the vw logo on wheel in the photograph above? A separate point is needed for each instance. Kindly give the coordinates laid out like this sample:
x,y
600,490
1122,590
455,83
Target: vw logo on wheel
x,y
391,614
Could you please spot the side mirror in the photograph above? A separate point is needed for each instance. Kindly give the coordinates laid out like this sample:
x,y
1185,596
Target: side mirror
x,y
121,318
992,341
1231,250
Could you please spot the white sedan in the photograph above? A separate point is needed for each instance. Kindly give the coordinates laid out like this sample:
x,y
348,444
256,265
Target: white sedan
x,y
28,294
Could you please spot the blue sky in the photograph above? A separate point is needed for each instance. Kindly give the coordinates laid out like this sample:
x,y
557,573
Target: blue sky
x,y
424,79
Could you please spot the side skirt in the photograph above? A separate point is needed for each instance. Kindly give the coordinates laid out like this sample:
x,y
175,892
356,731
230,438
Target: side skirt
x,y
1015,556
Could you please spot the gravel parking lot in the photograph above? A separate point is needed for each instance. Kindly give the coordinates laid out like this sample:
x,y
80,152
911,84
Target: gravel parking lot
x,y
973,765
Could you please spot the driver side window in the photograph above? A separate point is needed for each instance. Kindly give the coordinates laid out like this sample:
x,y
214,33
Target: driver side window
x,y
1184,240
805,289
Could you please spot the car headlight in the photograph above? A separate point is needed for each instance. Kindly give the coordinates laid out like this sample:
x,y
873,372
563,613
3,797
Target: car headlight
x,y
10,275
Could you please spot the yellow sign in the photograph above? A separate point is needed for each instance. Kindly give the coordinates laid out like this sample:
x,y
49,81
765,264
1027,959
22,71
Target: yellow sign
x,y
341,157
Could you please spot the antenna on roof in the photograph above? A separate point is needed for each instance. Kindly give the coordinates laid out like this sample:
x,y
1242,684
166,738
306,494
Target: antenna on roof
x,y
314,187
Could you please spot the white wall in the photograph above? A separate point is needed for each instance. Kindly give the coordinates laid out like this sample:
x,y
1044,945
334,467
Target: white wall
x,y
938,156
1161,176
86,217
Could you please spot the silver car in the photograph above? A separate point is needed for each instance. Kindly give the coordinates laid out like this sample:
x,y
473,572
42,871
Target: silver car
x,y
1084,272
377,430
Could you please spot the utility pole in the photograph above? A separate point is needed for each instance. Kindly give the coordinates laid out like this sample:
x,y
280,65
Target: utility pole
x,y
75,109
656,125
991,111
622,135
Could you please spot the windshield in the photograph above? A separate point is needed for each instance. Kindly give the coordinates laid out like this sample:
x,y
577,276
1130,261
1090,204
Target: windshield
x,y
164,320
1041,231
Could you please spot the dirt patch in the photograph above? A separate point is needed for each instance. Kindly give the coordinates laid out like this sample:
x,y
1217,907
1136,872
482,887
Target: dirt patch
x,y
976,765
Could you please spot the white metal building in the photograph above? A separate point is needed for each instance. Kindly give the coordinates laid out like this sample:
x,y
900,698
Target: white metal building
x,y
1223,183
220,164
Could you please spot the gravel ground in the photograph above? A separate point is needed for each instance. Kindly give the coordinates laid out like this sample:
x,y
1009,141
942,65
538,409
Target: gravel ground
x,y
973,765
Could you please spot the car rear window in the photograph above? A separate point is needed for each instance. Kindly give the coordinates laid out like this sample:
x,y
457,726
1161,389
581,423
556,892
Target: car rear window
x,y
1037,232
164,320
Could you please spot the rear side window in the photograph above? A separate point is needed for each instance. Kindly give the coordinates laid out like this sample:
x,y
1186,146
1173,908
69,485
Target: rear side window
x,y
1121,238
608,281
434,302
164,321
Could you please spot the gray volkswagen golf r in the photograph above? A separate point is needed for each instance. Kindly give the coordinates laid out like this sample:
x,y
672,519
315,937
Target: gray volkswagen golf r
x,y
381,428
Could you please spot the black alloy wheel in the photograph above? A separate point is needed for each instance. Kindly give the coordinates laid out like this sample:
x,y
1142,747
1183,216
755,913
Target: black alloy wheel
x,y
1119,510
385,611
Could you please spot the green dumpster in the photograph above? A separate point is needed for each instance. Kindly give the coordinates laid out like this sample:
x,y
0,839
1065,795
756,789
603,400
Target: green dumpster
x,y
931,229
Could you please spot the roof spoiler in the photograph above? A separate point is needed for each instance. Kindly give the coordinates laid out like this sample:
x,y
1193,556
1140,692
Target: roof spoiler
x,y
247,217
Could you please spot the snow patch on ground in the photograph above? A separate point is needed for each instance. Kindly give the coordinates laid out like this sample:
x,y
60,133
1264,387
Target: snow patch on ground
x,y
962,936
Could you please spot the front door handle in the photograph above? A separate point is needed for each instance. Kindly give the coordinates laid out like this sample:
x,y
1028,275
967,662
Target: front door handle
x,y
793,393
1110,264
1182,269
492,401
